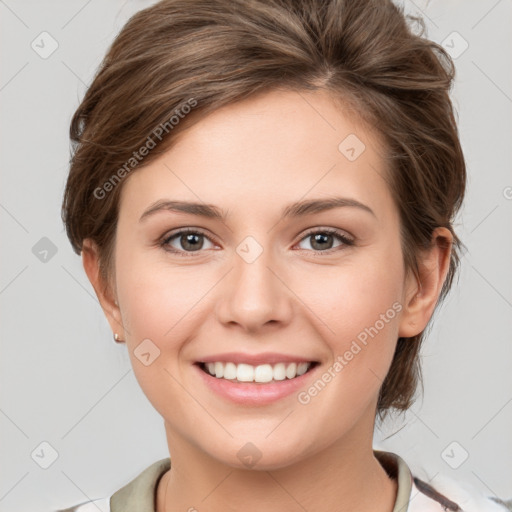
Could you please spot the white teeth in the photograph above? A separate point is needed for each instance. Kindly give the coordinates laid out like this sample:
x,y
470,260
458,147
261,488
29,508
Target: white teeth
x,y
291,370
280,371
245,373
261,373
229,371
218,369
302,368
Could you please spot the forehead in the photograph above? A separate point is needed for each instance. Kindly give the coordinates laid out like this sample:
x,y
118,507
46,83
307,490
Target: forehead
x,y
276,147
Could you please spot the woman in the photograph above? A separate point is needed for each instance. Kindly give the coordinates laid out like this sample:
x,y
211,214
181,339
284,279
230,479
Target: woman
x,y
219,147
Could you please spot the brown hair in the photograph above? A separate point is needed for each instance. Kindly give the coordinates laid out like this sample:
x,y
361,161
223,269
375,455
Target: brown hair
x,y
210,53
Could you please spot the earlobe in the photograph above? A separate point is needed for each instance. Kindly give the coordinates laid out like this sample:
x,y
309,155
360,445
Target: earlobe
x,y
90,261
422,293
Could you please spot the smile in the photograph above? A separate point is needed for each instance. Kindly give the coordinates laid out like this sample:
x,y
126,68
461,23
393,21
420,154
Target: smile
x,y
261,373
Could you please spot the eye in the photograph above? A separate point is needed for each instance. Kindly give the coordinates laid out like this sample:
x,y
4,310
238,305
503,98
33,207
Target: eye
x,y
188,240
322,239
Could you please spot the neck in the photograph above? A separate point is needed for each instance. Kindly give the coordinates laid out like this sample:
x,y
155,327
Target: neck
x,y
342,477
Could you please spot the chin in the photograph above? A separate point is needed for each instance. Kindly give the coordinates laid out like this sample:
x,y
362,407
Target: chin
x,y
263,456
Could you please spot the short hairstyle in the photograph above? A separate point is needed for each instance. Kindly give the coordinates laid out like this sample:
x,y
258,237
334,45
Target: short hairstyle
x,y
211,53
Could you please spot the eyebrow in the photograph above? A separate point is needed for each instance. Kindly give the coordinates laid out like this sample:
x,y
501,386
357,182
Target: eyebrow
x,y
298,209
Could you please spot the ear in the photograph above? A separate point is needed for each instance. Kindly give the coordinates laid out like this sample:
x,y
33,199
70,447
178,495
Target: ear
x,y
104,292
421,295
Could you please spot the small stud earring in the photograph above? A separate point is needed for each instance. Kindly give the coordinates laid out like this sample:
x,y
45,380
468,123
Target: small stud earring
x,y
117,339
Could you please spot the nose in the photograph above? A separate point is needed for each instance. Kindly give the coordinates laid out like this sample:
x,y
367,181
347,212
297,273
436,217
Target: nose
x,y
255,294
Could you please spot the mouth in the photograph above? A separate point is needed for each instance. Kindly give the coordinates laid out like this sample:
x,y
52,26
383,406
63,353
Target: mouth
x,y
262,373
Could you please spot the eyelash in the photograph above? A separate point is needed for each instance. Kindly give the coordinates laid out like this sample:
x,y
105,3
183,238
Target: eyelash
x,y
328,231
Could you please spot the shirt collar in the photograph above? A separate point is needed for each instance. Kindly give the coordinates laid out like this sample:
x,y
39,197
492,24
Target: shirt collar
x,y
397,469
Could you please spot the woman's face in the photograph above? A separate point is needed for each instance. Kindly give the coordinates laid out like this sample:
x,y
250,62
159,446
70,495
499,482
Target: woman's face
x,y
266,282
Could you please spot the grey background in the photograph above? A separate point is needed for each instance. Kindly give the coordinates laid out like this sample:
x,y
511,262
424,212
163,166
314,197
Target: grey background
x,y
63,379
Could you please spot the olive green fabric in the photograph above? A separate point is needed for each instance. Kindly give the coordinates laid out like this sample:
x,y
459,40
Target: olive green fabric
x,y
140,494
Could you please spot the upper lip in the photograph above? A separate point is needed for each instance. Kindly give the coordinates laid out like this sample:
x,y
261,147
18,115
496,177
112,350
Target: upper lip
x,y
255,359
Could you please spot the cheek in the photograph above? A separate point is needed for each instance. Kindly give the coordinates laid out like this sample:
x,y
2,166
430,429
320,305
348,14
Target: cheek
x,y
158,305
157,296
362,313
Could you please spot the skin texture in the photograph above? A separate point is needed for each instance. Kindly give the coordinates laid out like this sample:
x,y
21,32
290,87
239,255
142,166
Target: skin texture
x,y
252,159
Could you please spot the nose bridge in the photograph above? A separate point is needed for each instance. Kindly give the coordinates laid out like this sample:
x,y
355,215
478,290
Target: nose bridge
x,y
255,295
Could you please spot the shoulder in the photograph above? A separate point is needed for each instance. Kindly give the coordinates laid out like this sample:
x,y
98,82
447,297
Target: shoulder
x,y
452,496
138,494
442,494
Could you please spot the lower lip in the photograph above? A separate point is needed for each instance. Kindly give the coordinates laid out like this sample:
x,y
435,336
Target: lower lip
x,y
254,393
